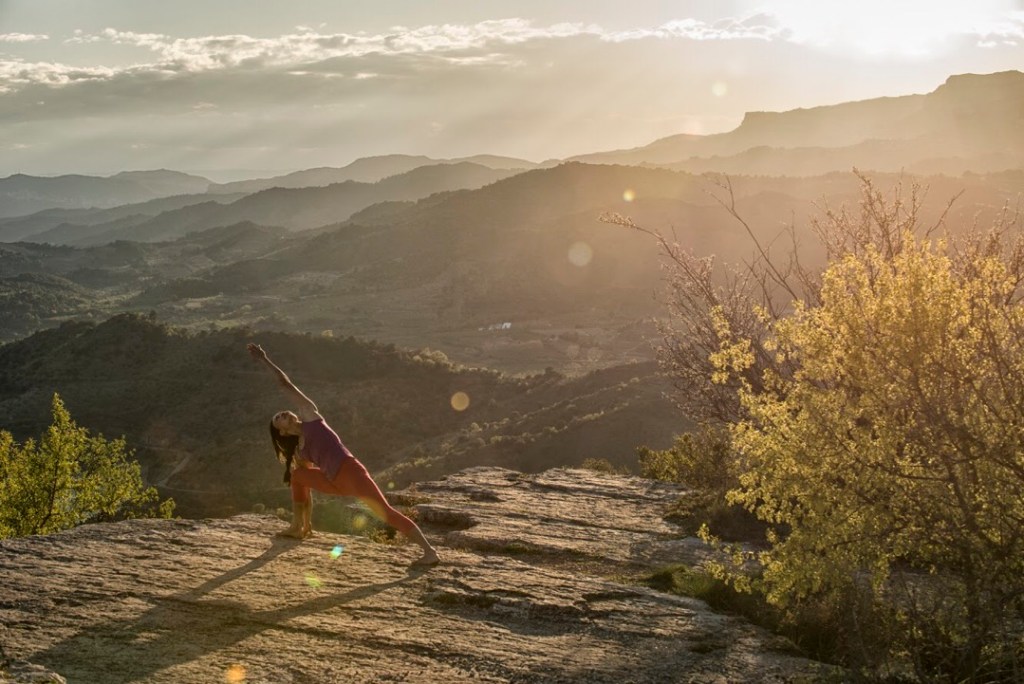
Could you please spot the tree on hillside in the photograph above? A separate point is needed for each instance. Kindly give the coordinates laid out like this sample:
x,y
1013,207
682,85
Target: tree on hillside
x,y
68,478
878,422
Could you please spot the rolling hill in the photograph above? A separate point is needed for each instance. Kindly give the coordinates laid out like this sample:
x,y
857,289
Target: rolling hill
x,y
293,208
21,194
364,170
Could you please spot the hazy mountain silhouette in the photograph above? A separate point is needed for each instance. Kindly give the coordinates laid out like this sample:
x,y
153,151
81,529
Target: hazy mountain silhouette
x,y
971,122
60,226
875,155
21,194
294,208
364,170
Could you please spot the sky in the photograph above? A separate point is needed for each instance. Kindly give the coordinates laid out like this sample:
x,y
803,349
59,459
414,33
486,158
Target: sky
x,y
233,88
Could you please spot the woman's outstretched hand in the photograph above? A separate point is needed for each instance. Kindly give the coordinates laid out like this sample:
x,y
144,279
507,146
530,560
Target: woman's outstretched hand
x,y
256,351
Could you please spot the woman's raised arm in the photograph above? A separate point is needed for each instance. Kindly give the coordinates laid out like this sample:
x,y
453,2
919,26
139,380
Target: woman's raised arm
x,y
307,410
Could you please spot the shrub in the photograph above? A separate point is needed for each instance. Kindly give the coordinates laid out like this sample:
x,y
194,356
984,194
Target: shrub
x,y
603,465
68,478
703,460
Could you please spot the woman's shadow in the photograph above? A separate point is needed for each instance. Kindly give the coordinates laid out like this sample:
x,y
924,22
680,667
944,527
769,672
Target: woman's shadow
x,y
185,626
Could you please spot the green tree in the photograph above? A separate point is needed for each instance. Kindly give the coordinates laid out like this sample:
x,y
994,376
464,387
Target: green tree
x,y
68,477
876,413
896,450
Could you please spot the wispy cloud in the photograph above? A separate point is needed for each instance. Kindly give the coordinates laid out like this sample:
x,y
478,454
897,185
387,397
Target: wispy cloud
x,y
310,46
18,73
22,37
755,27
309,51
1009,32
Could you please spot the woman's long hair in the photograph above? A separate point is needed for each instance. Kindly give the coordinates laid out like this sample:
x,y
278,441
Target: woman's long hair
x,y
285,446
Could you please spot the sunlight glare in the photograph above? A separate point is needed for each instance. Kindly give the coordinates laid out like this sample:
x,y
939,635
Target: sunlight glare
x,y
313,581
460,401
719,89
580,254
337,551
876,28
629,195
235,674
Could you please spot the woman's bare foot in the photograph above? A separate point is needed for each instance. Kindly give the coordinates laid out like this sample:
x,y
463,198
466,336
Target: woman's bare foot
x,y
296,532
429,559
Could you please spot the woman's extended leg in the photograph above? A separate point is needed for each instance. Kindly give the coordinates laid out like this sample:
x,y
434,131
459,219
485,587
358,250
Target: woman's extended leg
x,y
354,480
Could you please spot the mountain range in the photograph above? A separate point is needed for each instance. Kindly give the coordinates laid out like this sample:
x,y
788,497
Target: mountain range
x,y
21,194
366,170
528,250
970,123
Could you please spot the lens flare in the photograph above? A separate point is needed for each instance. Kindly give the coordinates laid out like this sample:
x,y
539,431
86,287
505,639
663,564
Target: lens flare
x,y
359,521
460,401
629,195
719,89
337,551
234,674
580,254
313,581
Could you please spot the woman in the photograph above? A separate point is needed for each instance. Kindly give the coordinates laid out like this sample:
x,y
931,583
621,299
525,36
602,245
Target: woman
x,y
326,465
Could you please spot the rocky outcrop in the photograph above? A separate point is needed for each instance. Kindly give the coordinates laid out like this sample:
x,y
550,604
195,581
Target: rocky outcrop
x,y
526,593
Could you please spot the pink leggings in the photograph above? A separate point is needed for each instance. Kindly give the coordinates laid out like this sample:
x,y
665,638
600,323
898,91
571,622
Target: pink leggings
x,y
351,480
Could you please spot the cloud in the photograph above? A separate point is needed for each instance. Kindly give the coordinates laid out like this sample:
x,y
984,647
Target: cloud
x,y
755,27
364,56
16,73
22,37
1009,32
309,46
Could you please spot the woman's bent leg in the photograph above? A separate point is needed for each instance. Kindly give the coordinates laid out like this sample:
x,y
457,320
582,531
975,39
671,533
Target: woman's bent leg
x,y
305,479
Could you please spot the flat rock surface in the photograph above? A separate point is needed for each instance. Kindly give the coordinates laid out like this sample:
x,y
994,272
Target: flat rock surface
x,y
225,601
561,511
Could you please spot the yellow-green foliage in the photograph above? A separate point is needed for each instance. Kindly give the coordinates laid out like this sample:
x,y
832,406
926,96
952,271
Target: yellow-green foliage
x,y
702,460
67,478
897,444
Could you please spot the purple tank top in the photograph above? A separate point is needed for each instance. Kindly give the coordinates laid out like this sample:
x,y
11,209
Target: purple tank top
x,y
322,446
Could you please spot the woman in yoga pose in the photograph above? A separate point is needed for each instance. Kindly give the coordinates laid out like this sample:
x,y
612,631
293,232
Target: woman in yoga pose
x,y
315,458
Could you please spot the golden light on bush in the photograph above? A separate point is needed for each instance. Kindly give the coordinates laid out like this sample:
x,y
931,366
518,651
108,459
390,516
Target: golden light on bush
x,y
460,401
